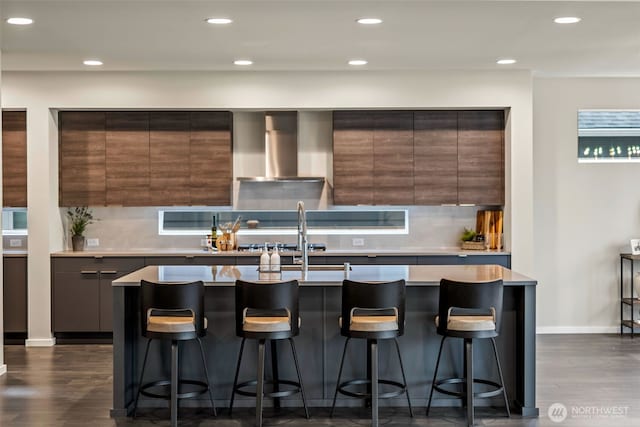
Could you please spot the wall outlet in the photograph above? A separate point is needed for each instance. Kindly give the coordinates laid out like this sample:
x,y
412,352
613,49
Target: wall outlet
x,y
203,243
15,243
93,242
357,242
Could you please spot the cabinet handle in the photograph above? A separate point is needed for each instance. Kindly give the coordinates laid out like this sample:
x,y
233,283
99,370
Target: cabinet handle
x,y
189,257
108,271
97,257
462,255
371,256
88,272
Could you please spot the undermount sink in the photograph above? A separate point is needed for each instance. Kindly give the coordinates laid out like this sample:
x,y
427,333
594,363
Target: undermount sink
x,y
320,267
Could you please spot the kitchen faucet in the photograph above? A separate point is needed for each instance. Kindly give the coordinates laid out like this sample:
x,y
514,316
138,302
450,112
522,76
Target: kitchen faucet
x,y
302,237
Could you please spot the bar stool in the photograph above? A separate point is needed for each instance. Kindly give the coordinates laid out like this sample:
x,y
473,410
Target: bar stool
x,y
372,311
469,310
267,311
174,312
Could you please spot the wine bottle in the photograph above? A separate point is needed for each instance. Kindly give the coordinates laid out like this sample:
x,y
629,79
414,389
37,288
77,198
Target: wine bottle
x,y
214,228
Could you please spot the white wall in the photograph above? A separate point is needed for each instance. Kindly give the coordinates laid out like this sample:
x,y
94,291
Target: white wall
x,y
585,214
39,92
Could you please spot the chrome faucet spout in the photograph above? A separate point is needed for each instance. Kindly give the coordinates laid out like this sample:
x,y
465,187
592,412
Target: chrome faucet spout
x,y
302,236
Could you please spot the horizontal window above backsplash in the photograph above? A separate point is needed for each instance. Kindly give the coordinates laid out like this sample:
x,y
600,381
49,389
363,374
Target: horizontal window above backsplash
x,y
285,222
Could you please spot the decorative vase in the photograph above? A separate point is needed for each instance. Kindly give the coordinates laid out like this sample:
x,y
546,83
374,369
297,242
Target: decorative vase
x,y
78,243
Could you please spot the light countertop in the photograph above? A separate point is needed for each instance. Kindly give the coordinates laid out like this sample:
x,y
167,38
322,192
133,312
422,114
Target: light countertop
x,y
329,252
14,253
415,275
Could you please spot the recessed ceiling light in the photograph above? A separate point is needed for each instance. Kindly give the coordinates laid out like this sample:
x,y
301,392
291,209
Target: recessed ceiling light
x,y
369,21
567,20
219,21
506,61
357,62
92,62
20,21
242,62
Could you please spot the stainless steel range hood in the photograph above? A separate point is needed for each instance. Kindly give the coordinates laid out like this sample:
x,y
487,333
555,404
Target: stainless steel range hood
x,y
281,149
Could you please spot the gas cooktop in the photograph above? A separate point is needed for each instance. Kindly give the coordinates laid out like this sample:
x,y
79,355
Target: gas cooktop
x,y
282,247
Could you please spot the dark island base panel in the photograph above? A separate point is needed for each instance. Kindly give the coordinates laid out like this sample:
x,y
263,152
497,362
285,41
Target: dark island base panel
x,y
319,347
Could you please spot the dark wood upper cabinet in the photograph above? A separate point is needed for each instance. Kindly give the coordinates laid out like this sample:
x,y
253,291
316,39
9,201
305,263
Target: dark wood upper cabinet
x,y
373,157
421,157
82,158
169,158
353,158
127,158
14,158
393,158
211,171
481,157
141,158
435,151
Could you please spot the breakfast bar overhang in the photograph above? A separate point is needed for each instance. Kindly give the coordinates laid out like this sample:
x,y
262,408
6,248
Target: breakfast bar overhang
x,y
320,343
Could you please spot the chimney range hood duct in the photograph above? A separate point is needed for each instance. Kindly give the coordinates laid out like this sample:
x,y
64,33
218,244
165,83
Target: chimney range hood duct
x,y
281,149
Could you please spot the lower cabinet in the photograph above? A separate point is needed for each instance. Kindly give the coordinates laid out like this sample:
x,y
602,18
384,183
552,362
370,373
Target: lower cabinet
x,y
460,259
464,259
81,291
15,294
370,259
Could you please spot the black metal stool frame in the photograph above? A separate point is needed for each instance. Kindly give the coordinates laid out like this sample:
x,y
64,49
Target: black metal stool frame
x,y
172,299
267,297
472,296
375,297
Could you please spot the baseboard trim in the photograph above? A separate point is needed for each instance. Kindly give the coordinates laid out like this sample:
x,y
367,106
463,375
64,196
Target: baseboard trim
x,y
3,370
542,330
40,342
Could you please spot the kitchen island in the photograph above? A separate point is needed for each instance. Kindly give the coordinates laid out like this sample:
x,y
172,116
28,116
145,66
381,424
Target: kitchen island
x,y
319,343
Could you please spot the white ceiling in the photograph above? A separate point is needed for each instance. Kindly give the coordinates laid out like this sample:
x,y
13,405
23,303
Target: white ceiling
x,y
323,35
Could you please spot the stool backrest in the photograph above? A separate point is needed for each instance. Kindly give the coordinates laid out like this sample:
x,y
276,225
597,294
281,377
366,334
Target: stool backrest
x,y
469,296
372,295
267,296
172,298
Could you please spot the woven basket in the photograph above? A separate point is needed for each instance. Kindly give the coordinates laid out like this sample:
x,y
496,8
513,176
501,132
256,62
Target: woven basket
x,y
473,246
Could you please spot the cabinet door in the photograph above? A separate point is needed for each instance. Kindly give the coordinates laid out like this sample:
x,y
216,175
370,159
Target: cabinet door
x,y
127,158
15,294
76,302
435,169
211,166
14,159
169,158
481,157
393,158
353,172
82,158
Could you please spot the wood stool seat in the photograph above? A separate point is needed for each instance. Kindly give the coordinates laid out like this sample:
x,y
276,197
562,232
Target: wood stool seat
x,y
171,324
469,323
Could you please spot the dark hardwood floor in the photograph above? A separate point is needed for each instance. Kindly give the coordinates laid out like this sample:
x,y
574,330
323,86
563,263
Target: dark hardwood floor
x,y
596,377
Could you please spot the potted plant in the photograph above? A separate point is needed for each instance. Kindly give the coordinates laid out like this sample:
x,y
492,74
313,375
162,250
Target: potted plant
x,y
79,218
472,240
